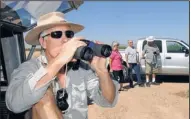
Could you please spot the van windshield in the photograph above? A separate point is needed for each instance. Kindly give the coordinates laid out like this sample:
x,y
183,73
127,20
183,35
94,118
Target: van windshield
x,y
25,13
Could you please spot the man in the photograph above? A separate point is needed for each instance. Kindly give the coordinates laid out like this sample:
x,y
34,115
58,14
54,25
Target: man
x,y
31,79
133,63
150,53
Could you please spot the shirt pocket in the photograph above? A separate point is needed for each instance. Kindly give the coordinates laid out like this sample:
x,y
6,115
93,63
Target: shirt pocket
x,y
80,87
79,92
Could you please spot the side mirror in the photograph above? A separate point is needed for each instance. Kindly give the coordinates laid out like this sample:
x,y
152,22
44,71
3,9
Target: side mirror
x,y
186,51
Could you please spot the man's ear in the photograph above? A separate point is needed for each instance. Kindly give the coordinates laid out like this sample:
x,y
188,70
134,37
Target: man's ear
x,y
42,43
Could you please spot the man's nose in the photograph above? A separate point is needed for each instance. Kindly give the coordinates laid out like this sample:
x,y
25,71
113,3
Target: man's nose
x,y
65,39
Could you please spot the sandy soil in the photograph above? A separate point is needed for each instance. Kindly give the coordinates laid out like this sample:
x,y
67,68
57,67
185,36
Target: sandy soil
x,y
167,101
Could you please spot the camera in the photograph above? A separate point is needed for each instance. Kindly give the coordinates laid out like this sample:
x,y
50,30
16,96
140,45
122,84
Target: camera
x,y
92,49
61,98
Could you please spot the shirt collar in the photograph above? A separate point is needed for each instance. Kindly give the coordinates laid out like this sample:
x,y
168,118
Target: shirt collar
x,y
43,59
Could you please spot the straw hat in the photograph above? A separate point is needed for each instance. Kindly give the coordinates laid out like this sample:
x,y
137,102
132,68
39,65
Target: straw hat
x,y
114,43
48,21
150,39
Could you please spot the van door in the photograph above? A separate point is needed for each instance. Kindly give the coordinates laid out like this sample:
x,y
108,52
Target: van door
x,y
176,60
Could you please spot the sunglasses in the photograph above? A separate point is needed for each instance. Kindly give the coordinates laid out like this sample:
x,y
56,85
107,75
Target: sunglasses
x,y
58,34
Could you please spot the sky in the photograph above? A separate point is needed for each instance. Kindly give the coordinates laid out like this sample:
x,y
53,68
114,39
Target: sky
x,y
120,21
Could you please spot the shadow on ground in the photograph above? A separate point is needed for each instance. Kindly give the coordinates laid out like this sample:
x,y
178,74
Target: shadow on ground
x,y
168,79
173,79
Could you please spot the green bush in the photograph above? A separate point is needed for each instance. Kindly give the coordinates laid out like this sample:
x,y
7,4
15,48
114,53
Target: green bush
x,y
122,47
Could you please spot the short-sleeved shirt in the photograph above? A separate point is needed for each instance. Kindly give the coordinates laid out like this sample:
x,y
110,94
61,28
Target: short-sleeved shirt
x,y
116,61
132,54
149,51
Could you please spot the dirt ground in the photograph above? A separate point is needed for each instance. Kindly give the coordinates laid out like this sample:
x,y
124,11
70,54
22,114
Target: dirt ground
x,y
166,101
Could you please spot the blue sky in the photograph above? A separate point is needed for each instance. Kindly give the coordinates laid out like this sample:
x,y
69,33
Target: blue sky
x,y
121,20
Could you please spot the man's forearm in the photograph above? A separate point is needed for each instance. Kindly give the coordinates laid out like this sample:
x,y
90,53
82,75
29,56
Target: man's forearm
x,y
52,69
110,63
126,57
106,85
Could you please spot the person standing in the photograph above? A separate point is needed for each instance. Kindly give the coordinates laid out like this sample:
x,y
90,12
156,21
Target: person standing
x,y
116,66
150,53
133,63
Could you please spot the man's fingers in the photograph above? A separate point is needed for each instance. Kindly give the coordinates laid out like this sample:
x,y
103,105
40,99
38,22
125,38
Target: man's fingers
x,y
78,38
98,42
81,43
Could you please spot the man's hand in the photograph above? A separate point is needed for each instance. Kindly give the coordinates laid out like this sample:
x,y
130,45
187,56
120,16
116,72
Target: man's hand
x,y
128,65
99,63
106,84
69,48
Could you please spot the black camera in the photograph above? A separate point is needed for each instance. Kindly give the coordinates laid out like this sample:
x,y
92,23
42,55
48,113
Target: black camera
x,y
61,98
92,49
154,53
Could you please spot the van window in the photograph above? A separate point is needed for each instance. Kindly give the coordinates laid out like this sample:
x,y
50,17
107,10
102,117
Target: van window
x,y
175,47
157,42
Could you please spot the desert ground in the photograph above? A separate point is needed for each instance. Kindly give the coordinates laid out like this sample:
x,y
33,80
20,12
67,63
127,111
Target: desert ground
x,y
166,101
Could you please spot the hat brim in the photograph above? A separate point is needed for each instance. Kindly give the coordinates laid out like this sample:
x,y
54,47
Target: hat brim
x,y
32,37
150,40
117,44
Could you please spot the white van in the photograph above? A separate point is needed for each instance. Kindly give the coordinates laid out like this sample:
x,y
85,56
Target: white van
x,y
174,56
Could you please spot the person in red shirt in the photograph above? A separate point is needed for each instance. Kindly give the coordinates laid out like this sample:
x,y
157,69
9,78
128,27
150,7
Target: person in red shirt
x,y
116,66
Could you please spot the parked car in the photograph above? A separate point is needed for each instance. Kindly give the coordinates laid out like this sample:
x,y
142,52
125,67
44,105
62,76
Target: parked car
x,y
174,56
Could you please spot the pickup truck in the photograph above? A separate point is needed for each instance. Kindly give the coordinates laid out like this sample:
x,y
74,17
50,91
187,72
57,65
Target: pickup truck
x,y
174,56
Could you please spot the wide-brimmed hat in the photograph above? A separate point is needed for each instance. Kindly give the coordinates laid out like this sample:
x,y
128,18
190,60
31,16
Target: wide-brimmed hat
x,y
150,39
48,21
114,43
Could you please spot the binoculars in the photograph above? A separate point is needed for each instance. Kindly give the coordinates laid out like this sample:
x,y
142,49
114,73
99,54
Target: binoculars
x,y
92,49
